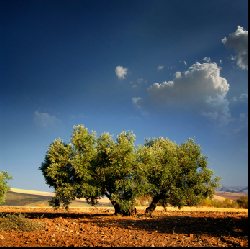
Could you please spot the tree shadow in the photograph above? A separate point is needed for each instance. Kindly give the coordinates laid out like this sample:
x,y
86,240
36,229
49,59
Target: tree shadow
x,y
228,226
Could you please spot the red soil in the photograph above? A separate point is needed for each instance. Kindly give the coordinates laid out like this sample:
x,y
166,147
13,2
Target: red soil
x,y
99,227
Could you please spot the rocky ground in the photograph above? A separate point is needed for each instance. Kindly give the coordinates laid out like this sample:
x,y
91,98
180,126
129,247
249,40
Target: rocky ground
x,y
99,227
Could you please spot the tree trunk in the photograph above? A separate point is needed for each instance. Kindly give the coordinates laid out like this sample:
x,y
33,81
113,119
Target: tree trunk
x,y
116,207
114,203
150,209
118,210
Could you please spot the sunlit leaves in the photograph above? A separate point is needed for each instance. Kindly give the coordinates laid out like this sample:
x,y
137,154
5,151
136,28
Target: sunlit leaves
x,y
91,166
176,174
67,167
115,167
4,187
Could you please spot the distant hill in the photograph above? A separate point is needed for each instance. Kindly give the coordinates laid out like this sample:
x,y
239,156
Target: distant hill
x,y
33,192
35,198
234,189
22,197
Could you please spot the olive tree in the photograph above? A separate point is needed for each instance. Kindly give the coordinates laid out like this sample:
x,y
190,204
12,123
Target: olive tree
x,y
176,174
90,167
196,180
67,168
115,171
159,159
4,187
84,155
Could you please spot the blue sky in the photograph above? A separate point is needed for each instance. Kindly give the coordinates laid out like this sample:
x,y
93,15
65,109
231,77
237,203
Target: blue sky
x,y
170,68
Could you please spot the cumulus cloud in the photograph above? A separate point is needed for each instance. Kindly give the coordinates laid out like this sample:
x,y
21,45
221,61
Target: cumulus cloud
x,y
44,119
239,42
200,88
121,72
207,59
178,75
160,67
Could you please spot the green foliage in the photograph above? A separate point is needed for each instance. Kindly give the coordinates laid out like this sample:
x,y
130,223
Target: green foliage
x,y
4,187
196,179
67,168
90,167
159,162
18,222
115,168
176,174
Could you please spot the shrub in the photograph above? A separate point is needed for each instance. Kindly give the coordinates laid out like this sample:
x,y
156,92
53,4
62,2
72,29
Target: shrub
x,y
18,222
243,202
227,203
4,187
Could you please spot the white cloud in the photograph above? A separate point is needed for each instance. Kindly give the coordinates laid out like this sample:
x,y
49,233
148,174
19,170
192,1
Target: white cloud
x,y
232,58
44,119
241,124
121,72
207,59
200,88
163,84
178,75
137,101
239,42
242,98
160,67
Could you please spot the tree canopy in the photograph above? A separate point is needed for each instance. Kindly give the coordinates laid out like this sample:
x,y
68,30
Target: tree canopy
x,y
4,187
68,168
176,174
115,168
91,167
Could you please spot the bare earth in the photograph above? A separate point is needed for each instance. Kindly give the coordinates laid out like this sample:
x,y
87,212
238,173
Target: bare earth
x,y
99,227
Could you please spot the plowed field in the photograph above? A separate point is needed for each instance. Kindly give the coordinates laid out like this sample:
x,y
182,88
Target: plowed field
x,y
99,227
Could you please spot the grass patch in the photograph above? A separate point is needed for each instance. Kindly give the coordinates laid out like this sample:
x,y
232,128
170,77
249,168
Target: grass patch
x,y
18,222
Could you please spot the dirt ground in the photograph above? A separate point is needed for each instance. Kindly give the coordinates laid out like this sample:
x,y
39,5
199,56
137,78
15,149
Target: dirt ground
x,y
99,227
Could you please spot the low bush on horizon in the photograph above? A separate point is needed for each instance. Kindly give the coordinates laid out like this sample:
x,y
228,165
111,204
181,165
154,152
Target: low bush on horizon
x,y
241,202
